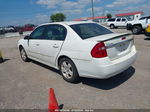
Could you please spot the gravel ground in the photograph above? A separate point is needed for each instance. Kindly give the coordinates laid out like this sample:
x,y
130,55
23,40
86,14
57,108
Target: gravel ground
x,y
26,85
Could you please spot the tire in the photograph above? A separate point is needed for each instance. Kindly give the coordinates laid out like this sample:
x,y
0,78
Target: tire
x,y
147,33
136,29
1,60
23,55
112,26
68,70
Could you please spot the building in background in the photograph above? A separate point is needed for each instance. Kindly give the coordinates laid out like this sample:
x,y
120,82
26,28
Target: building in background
x,y
131,16
99,19
103,19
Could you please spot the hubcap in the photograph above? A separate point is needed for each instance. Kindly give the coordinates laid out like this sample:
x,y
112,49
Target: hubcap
x,y
135,30
67,70
23,54
112,26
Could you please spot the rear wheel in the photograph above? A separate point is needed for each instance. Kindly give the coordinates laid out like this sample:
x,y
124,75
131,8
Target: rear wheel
x,y
68,70
136,29
112,26
23,54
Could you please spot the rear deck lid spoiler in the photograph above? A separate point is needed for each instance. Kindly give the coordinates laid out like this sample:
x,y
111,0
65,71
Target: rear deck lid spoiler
x,y
108,37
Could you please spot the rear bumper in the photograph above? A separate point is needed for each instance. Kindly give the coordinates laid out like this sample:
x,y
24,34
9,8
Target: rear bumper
x,y
105,68
129,26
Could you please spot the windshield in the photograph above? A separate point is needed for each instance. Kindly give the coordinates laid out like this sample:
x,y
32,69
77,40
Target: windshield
x,y
88,30
142,18
147,17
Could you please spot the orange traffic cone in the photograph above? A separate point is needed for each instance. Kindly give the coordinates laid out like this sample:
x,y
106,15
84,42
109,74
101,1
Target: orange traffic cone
x,y
53,105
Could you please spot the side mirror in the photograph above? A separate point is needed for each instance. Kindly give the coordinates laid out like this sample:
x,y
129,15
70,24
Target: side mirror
x,y
27,37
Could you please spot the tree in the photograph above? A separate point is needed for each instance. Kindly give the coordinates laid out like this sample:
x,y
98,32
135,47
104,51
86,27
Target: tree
x,y
57,17
109,15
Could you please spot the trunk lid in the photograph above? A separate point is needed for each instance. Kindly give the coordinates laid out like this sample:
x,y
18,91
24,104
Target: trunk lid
x,y
117,45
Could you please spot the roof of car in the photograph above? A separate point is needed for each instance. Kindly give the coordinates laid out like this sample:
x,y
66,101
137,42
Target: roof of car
x,y
67,22
131,13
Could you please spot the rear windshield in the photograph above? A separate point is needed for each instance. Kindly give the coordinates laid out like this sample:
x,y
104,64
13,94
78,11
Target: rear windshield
x,y
88,30
111,20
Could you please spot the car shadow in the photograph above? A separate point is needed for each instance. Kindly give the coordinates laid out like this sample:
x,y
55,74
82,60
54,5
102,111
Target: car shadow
x,y
148,38
105,84
113,82
45,66
4,60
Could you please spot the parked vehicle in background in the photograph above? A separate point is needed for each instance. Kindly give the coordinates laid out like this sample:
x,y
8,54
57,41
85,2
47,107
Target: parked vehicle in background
x,y
2,31
19,28
27,27
79,49
117,22
147,31
137,26
9,29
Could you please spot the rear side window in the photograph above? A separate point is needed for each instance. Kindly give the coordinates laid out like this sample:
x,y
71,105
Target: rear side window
x,y
118,20
123,19
88,30
55,32
111,20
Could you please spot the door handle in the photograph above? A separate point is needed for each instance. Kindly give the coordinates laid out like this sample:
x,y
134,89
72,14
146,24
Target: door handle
x,y
55,46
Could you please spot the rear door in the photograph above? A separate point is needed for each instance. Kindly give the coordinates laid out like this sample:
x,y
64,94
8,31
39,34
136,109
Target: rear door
x,y
118,22
123,22
54,37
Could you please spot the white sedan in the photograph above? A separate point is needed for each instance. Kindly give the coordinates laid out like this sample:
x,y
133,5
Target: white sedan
x,y
79,49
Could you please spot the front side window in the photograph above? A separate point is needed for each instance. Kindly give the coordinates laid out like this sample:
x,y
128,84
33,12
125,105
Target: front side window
x,y
55,32
123,19
88,30
38,33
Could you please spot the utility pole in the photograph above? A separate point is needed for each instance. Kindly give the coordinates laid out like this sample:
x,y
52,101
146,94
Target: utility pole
x,y
103,14
92,8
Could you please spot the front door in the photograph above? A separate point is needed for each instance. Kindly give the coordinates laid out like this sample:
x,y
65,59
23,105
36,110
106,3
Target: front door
x,y
34,42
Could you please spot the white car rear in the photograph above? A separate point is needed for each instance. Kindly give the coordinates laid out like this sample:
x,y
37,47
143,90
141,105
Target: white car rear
x,y
80,49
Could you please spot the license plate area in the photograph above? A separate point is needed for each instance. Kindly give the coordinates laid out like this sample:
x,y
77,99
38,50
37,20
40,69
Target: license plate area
x,y
122,46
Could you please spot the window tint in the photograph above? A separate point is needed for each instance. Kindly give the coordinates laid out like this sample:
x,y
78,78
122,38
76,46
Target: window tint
x,y
110,20
142,18
38,33
88,30
148,17
55,32
118,20
123,19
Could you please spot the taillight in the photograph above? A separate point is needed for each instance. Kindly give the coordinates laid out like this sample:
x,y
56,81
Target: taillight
x,y
99,50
